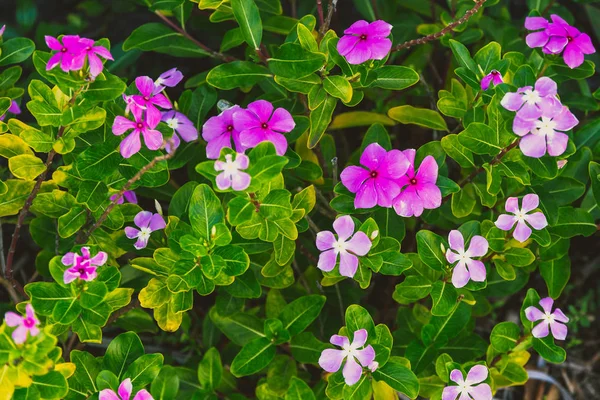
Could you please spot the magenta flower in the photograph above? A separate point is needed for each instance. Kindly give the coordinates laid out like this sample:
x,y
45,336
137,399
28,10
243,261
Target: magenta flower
x,y
148,100
219,131
13,109
182,126
494,77
148,223
376,183
131,144
544,135
530,102
466,268
170,78
28,323
67,51
92,52
259,123
232,175
346,245
467,389
537,220
365,41
82,266
124,393
559,37
551,321
419,190
356,358
128,195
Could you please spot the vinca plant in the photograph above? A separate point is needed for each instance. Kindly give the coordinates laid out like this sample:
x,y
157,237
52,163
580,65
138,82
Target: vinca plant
x,y
294,200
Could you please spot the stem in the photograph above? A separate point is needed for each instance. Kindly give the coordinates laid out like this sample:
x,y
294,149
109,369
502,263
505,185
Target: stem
x,y
448,28
330,10
494,161
320,12
14,296
122,311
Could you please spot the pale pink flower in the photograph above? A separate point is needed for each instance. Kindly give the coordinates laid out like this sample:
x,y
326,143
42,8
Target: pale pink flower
x,y
356,358
537,220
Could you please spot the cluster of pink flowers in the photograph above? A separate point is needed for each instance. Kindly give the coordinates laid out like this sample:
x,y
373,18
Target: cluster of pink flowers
x,y
389,179
72,53
84,266
541,118
365,41
27,324
147,223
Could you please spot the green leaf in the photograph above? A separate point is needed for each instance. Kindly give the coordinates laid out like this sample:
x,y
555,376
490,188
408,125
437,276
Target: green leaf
x,y
70,223
358,318
572,222
399,377
359,391
306,38
299,390
549,351
462,55
121,352
94,294
320,118
248,17
443,297
52,385
306,348
418,116
105,90
87,369
292,61
158,37
166,384
504,336
44,113
16,50
359,118
205,211
300,313
13,145
92,194
413,288
240,328
253,357
210,369
488,55
429,246
395,77
338,87
556,274
26,166
519,257
14,198
480,139
237,74
143,370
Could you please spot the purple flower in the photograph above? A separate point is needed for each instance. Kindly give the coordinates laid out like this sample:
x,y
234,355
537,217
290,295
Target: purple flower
x,y
182,126
170,78
232,177
559,36
28,323
219,131
148,100
2,30
530,102
419,190
124,393
131,144
13,109
92,52
259,123
82,266
376,183
541,135
467,388
537,220
67,51
494,77
365,41
466,268
148,223
331,359
551,321
346,245
128,195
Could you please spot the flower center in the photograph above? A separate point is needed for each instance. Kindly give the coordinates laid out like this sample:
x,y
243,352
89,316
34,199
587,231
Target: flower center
x,y
264,125
140,125
88,48
546,126
63,50
520,216
363,37
548,317
531,97
569,38
413,181
28,322
145,233
81,271
230,128
146,98
464,388
230,167
172,123
374,174
339,246
462,256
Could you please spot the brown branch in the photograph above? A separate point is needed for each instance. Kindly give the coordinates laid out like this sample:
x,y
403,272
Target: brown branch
x,y
320,13
325,24
494,161
122,311
447,29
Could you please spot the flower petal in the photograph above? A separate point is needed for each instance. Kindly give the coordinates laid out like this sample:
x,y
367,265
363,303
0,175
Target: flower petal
x,y
573,56
157,222
512,205
430,195
557,143
456,240
460,275
478,247
522,126
339,340
530,202
143,395
559,331
153,139
481,392
282,121
533,314
512,101
396,164
360,244
352,371
373,156
131,232
19,335
535,23
522,232
145,85
451,256
505,222
142,219
477,270
348,264
346,44
546,87
560,316
450,393
365,356
262,108
125,389
379,48
360,338
331,359
537,220
108,394
327,261
353,177
240,181
584,43
547,303
366,197
325,240
344,227
387,190
541,330
456,376
533,145
130,145
408,203
428,171
12,319
478,373
68,259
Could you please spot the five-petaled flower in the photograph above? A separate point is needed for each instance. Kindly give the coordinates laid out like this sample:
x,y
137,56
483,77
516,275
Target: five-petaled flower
x,y
148,223
131,144
529,102
466,268
170,78
331,359
419,190
259,123
92,52
494,77
82,266
124,393
28,323
232,175
376,183
364,41
551,321
148,100
470,388
128,195
182,126
346,245
219,131
537,220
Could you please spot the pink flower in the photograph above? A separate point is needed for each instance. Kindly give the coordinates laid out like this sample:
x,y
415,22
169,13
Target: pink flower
x,y
419,190
92,52
331,359
13,109
377,182
219,131
124,393
537,220
466,268
128,195
82,266
67,51
365,41
148,223
530,102
551,321
346,246
232,177
148,100
2,30
170,78
541,135
131,144
28,323
259,123
494,77
182,126
467,388
559,37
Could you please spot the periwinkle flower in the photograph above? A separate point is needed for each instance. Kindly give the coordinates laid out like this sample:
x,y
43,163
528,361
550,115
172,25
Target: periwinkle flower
x,y
13,109
494,77
148,100
470,388
347,246
66,51
219,132
529,102
131,144
128,195
259,123
147,223
182,126
356,358
170,78
537,220
82,266
124,393
92,52
419,190
2,30
364,41
27,324
551,321
232,175
376,182
466,268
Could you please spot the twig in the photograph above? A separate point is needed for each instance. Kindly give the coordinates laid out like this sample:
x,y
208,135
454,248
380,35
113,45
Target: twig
x,y
14,296
70,345
548,7
320,12
330,10
448,28
122,311
495,161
